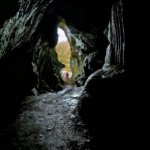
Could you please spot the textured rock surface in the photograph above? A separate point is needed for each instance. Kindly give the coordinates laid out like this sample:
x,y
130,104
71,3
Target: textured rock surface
x,y
24,44
47,122
101,104
103,109
25,34
114,59
47,67
7,10
115,52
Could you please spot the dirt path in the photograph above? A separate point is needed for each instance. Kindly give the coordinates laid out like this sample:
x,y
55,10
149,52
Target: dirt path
x,y
48,122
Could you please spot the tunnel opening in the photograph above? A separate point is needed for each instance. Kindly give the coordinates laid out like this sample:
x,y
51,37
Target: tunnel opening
x,y
65,50
64,53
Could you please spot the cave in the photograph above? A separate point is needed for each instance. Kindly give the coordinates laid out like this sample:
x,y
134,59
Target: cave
x,y
37,111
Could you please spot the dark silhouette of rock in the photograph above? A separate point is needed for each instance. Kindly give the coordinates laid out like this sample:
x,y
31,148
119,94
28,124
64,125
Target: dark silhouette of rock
x,y
102,106
8,8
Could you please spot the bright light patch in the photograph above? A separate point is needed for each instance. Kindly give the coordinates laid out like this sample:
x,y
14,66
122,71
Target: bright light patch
x,y
61,35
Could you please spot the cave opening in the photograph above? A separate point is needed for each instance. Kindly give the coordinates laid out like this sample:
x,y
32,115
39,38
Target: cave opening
x,y
66,54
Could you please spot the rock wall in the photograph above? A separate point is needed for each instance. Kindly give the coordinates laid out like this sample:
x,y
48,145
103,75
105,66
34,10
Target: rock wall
x,y
7,10
31,31
101,103
115,52
27,58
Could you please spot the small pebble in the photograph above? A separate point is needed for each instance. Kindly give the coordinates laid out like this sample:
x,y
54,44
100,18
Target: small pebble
x,y
41,136
48,129
72,116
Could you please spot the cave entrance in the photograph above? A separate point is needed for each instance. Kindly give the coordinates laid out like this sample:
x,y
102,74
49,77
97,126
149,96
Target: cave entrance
x,y
64,53
66,56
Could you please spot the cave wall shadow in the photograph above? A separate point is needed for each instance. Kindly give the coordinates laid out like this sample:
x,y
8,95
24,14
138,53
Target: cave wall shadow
x,y
14,83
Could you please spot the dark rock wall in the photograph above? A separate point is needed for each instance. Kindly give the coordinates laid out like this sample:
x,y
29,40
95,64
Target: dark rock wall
x,y
21,54
47,67
103,101
115,53
116,36
22,34
8,9
105,51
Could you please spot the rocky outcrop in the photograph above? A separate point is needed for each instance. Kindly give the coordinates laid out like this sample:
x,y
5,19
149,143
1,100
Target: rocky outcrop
x,y
103,109
30,33
27,59
47,67
115,52
8,8
90,54
114,58
100,105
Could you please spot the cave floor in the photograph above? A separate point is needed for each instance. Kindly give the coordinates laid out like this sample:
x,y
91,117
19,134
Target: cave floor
x,y
48,122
